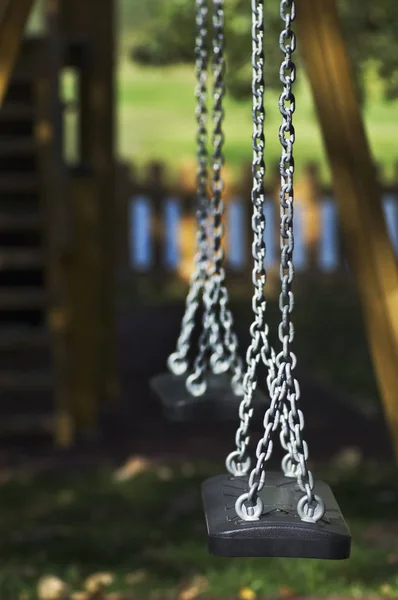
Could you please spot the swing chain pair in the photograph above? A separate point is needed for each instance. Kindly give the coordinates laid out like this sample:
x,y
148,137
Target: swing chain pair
x,y
310,507
208,280
178,361
238,463
282,385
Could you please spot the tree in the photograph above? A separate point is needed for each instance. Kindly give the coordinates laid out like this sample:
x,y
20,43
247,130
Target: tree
x,y
370,33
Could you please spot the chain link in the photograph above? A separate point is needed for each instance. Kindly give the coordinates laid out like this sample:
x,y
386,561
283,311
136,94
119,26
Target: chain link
x,y
237,462
178,361
230,356
297,447
217,336
285,390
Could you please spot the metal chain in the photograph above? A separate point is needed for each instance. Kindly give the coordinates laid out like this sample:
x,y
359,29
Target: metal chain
x,y
238,463
228,359
285,387
178,361
310,506
217,335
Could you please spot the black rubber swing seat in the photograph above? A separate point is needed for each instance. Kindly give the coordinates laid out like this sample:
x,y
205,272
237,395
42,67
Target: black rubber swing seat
x,y
218,402
279,532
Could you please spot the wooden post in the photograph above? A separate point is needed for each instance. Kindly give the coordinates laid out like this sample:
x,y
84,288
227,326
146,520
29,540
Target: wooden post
x,y
54,184
126,186
157,192
310,201
85,311
14,15
245,192
93,21
356,190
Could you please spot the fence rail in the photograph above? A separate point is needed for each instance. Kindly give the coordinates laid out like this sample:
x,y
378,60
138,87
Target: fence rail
x,y
156,229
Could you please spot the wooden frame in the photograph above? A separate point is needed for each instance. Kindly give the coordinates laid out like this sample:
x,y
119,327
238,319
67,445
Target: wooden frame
x,y
89,260
13,18
54,183
356,189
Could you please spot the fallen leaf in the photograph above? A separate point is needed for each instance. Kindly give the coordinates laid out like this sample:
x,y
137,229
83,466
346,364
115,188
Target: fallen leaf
x,y
196,587
383,535
392,559
136,577
349,458
133,467
50,587
66,497
247,593
164,473
80,596
385,589
97,582
5,476
188,469
286,592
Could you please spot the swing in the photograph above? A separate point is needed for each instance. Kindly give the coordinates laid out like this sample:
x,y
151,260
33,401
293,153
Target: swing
x,y
261,513
213,387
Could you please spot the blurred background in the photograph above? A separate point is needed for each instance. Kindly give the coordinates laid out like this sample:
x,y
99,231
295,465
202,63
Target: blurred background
x,y
99,492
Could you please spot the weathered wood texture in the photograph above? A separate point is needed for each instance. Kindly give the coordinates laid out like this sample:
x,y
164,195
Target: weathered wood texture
x,y
55,197
98,153
85,309
356,189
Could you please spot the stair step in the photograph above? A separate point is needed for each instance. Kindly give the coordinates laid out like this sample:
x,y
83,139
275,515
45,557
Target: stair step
x,y
18,183
14,221
17,110
22,298
27,337
17,146
22,424
20,258
20,381
20,90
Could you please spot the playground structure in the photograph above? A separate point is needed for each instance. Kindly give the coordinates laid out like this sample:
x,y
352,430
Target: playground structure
x,y
56,219
68,211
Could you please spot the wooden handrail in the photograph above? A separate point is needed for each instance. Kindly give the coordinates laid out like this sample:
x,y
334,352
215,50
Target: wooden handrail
x,y
14,15
356,190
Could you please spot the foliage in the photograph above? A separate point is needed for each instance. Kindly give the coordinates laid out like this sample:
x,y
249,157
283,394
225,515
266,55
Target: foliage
x,y
156,121
370,28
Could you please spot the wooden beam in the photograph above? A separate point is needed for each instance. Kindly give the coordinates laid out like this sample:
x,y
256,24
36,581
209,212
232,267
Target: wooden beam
x,y
98,152
54,182
356,189
14,15
85,287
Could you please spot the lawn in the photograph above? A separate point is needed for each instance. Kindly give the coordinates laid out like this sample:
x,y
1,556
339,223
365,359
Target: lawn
x,y
156,120
143,529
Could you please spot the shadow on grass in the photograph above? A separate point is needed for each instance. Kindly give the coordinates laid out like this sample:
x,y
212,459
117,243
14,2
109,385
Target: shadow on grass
x,y
74,525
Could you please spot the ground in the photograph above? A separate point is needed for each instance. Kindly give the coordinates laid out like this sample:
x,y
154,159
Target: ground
x,y
128,504
142,525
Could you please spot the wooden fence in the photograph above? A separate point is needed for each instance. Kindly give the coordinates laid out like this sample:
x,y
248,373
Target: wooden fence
x,y
156,224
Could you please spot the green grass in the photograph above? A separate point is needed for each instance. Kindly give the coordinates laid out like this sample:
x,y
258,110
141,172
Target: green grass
x,y
155,120
152,531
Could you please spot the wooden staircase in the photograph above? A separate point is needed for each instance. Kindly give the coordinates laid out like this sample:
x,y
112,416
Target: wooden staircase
x,y
57,359
25,365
